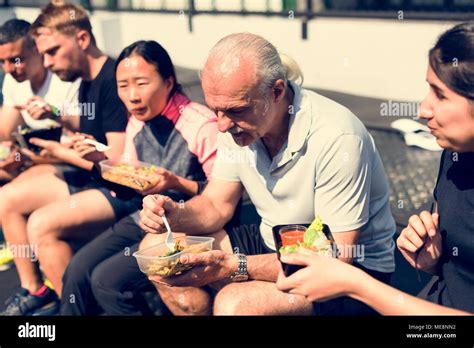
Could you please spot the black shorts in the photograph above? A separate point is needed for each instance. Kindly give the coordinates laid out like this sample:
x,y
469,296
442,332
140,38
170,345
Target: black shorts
x,y
246,239
124,201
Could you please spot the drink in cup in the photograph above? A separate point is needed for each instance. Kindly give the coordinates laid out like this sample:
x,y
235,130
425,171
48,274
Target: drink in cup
x,y
290,235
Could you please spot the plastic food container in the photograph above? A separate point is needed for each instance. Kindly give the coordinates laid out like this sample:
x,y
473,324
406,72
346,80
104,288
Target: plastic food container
x,y
26,134
138,175
152,262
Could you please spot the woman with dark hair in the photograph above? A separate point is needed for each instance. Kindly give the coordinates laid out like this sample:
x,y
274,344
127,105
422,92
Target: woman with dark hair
x,y
165,129
439,242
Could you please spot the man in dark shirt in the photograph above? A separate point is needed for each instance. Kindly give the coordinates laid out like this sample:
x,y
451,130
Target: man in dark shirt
x,y
69,50
63,35
98,98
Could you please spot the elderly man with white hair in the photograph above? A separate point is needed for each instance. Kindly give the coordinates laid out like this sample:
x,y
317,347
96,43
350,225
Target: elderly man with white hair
x,y
298,155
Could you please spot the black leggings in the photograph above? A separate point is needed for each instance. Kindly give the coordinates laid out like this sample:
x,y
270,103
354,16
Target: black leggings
x,y
104,276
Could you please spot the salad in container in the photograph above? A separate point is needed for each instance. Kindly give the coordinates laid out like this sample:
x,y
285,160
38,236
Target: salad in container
x,y
162,261
313,239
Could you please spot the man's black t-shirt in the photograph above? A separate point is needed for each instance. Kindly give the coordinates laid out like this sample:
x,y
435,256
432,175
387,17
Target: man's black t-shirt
x,y
454,194
102,110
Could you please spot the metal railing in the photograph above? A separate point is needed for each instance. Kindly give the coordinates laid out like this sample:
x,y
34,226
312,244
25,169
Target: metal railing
x,y
298,8
305,10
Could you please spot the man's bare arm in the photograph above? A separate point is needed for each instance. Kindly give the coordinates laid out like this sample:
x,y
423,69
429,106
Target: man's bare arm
x,y
210,211
346,243
203,214
263,267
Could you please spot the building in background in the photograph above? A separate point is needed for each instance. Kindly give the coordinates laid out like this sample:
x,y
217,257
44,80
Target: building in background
x,y
372,48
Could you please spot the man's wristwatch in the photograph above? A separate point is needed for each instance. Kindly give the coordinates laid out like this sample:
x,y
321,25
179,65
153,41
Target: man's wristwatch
x,y
241,275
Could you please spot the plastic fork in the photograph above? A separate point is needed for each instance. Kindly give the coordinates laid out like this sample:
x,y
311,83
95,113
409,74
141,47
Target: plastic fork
x,y
169,236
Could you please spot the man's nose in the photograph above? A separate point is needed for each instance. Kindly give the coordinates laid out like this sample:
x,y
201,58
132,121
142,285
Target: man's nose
x,y
224,123
47,61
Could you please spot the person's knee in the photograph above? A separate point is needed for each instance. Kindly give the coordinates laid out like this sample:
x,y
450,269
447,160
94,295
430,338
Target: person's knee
x,y
150,240
9,199
185,300
229,301
39,228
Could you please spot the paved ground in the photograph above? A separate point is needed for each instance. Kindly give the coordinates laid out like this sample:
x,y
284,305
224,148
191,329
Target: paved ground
x,y
411,172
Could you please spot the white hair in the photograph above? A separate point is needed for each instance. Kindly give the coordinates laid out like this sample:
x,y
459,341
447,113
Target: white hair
x,y
269,65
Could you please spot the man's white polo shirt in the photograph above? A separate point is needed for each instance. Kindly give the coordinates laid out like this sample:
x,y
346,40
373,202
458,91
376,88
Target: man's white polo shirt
x,y
328,167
